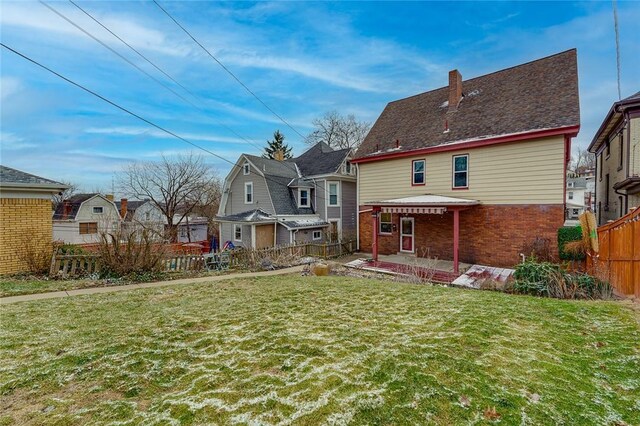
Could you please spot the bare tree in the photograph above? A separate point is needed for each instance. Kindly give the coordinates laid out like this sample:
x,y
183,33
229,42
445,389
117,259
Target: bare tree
x,y
582,160
338,131
210,202
176,186
58,198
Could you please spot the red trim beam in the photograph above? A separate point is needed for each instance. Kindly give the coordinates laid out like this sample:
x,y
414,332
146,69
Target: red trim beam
x,y
414,210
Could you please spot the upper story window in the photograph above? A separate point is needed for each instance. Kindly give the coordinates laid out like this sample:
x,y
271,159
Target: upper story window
x,y
303,197
245,168
334,193
98,210
599,160
418,168
461,171
386,227
248,193
570,195
608,149
569,184
620,151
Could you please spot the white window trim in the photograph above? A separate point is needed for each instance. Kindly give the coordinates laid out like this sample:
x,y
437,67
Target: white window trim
x,y
453,171
319,235
413,172
337,183
246,185
308,197
380,225
235,228
246,168
97,207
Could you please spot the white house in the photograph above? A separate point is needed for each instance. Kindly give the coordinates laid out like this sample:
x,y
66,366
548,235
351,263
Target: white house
x,y
82,218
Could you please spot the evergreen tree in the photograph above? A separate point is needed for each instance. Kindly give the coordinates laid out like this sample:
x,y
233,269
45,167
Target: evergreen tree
x,y
277,144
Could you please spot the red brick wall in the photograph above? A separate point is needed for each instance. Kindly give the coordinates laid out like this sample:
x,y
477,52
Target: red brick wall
x,y
489,234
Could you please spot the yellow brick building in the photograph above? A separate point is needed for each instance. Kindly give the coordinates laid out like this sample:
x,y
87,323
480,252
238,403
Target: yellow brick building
x,y
25,216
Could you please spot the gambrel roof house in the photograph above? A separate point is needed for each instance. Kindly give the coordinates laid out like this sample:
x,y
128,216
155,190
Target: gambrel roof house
x,y
81,218
268,202
473,171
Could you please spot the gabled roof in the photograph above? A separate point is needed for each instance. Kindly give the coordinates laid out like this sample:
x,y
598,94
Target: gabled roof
x,y
535,96
75,202
10,177
611,120
320,159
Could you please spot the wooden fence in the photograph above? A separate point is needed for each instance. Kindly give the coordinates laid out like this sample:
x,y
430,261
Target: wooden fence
x,y
67,265
618,260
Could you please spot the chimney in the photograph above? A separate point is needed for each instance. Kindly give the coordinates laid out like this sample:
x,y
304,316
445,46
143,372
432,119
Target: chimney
x,y
278,155
109,197
455,90
66,209
123,208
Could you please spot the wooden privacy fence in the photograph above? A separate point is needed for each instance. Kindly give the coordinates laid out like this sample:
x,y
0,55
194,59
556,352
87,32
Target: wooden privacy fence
x,y
618,260
66,265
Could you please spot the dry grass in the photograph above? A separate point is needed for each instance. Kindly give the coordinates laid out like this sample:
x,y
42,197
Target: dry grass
x,y
309,350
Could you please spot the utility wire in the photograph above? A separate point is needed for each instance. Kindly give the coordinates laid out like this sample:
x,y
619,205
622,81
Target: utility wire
x,y
139,117
229,71
60,14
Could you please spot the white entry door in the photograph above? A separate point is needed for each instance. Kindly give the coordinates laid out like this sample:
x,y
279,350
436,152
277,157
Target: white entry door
x,y
407,240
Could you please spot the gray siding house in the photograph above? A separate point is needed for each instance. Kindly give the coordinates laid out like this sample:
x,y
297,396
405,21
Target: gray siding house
x,y
308,198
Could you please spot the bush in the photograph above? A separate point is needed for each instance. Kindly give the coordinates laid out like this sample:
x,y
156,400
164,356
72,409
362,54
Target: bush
x,y
539,248
570,245
131,254
35,254
550,280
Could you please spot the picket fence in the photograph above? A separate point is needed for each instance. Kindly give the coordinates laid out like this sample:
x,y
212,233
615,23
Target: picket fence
x,y
69,265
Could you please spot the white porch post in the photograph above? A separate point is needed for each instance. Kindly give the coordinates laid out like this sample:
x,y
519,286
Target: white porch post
x,y
253,236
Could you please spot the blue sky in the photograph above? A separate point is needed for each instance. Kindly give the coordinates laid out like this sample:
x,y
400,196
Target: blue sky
x,y
301,58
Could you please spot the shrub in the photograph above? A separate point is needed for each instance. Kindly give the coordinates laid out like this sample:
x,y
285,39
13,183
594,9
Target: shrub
x,y
129,254
550,280
35,254
570,246
539,248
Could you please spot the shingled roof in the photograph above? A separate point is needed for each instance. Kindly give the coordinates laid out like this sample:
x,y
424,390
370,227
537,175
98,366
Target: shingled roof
x,y
74,204
320,159
10,177
538,95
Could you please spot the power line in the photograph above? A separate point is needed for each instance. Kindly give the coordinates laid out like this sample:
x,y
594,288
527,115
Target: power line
x,y
139,117
60,14
228,71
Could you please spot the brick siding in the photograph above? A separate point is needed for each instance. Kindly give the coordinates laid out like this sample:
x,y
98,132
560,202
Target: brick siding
x,y
491,235
20,219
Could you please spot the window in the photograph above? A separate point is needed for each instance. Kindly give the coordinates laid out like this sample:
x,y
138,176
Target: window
x,y
303,197
570,185
317,235
621,213
245,168
576,212
461,171
347,167
620,151
599,160
608,149
570,195
334,194
248,193
98,210
88,228
606,188
386,227
418,172
237,232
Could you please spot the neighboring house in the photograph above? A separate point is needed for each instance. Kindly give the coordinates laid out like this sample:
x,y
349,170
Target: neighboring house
x,y
83,217
273,202
25,216
145,215
474,171
617,149
578,197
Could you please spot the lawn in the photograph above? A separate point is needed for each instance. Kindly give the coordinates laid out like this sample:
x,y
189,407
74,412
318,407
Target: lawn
x,y
303,350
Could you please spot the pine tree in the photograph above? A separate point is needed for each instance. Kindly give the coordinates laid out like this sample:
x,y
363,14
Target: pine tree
x,y
277,144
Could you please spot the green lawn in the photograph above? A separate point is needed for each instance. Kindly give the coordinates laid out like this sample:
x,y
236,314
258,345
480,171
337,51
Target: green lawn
x,y
308,350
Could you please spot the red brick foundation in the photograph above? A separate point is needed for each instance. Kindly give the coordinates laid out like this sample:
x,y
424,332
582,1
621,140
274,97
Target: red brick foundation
x,y
493,235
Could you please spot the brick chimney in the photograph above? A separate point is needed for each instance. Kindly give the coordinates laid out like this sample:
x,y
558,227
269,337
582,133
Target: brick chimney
x,y
455,90
67,207
278,155
123,208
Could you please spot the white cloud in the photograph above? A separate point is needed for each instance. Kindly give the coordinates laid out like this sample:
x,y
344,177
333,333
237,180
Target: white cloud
x,y
155,133
9,86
